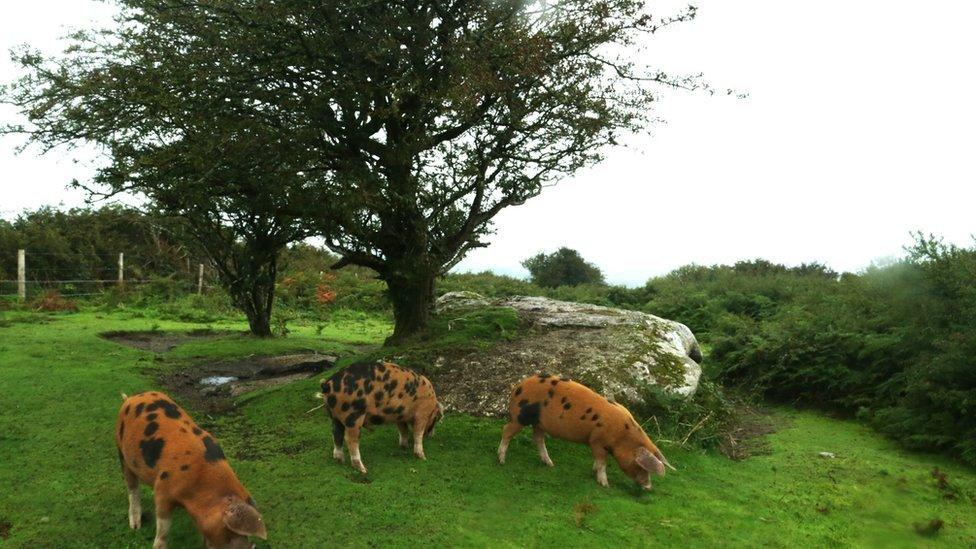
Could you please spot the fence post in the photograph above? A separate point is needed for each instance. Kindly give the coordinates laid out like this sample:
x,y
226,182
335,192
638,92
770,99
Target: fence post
x,y
200,281
22,274
121,269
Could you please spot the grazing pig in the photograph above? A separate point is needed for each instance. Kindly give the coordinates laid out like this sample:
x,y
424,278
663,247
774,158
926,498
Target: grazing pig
x,y
373,393
571,411
160,445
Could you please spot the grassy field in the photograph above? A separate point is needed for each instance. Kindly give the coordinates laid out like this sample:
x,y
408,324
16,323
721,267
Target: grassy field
x,y
60,484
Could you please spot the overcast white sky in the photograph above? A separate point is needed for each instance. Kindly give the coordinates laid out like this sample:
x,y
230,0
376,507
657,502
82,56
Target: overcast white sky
x,y
860,127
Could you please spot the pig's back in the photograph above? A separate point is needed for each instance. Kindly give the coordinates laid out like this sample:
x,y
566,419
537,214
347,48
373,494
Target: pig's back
x,y
159,441
377,392
561,407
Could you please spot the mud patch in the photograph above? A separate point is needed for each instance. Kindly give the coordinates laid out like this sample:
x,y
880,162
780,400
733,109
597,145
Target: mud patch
x,y
212,386
747,435
5,528
158,341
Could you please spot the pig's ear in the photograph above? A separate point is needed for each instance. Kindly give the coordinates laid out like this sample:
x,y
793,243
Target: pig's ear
x,y
244,519
649,461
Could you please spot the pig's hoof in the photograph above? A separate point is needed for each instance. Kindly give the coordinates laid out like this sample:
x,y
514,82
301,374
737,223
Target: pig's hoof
x,y
338,456
548,462
135,522
501,459
359,467
647,486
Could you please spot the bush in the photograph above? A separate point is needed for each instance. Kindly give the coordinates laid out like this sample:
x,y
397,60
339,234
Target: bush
x,y
487,284
892,345
52,301
700,421
305,274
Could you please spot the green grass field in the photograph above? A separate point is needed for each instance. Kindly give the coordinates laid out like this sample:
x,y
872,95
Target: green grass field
x,y
60,484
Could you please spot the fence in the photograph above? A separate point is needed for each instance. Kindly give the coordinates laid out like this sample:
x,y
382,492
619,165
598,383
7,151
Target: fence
x,y
30,282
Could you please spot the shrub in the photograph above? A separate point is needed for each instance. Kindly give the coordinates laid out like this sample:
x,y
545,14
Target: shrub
x,y
892,345
52,301
700,421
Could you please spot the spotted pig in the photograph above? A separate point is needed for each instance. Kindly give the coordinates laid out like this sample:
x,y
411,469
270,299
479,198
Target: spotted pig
x,y
571,411
160,445
373,393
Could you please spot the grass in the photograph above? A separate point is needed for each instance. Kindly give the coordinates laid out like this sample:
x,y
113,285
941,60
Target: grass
x,y
60,484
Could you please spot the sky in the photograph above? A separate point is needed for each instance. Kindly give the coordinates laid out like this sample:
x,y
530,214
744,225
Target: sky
x,y
859,128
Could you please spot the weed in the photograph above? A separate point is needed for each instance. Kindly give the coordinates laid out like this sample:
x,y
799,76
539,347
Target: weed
x,y
52,301
581,510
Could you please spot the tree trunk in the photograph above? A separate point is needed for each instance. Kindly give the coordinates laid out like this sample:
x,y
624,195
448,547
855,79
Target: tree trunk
x,y
259,321
412,295
259,314
253,292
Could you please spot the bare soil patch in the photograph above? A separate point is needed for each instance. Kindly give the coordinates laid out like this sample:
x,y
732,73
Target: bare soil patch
x,y
747,436
478,383
160,342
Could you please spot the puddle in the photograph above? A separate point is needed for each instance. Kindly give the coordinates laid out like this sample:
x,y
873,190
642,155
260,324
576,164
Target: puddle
x,y
217,380
159,341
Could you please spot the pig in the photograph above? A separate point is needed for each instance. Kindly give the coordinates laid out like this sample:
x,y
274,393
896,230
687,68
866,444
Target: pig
x,y
160,445
565,409
373,393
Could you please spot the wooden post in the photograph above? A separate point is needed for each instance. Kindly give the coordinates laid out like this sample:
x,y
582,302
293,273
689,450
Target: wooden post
x,y
200,281
121,269
22,274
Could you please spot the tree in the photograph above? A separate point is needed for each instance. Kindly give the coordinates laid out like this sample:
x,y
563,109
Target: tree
x,y
430,116
564,267
235,191
437,115
173,135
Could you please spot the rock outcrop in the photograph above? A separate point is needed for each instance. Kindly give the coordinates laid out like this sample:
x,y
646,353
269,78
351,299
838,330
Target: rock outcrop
x,y
614,351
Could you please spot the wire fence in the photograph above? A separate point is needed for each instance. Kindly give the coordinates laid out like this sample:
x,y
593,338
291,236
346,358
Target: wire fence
x,y
91,274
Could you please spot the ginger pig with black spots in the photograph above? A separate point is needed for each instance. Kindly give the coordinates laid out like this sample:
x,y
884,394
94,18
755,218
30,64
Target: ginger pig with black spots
x,y
373,393
571,411
160,445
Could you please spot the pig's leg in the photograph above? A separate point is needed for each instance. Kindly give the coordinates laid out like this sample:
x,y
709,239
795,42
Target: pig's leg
x,y
418,436
511,429
135,503
352,440
338,436
600,465
163,521
539,436
404,434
